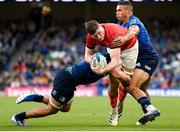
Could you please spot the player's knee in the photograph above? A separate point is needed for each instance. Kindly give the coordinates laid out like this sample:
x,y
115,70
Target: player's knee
x,y
126,80
131,89
112,93
112,89
54,112
66,108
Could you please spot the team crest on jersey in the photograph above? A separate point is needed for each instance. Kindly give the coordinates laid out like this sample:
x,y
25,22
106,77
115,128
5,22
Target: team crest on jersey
x,y
116,38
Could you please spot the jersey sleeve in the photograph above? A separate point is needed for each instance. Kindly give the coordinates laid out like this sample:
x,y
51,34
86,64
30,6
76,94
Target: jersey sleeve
x,y
90,42
133,22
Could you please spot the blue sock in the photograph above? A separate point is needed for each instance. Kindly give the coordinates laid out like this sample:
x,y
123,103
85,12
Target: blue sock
x,y
35,98
144,101
21,116
38,98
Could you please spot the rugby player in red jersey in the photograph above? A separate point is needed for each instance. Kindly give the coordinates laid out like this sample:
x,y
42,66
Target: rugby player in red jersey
x,y
105,35
123,58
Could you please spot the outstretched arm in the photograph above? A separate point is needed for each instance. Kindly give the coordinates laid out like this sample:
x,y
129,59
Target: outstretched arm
x,y
132,32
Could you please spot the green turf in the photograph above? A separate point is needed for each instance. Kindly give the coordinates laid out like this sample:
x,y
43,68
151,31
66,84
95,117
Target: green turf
x,y
89,114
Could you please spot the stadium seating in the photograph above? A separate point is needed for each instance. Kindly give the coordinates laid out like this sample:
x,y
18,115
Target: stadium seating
x,y
63,44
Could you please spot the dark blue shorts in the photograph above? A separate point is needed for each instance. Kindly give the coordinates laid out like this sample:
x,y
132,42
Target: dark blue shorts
x,y
148,63
63,87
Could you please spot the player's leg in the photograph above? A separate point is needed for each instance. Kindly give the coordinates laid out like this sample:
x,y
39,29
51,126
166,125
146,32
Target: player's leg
x,y
113,96
123,92
19,118
119,73
128,58
67,106
137,81
113,87
122,95
62,94
32,96
45,99
52,108
145,86
139,77
145,67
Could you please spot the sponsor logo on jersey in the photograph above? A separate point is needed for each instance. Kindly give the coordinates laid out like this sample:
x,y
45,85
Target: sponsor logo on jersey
x,y
116,38
62,99
147,67
54,92
138,64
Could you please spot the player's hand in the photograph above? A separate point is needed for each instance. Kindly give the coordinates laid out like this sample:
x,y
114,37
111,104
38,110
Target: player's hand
x,y
118,41
97,69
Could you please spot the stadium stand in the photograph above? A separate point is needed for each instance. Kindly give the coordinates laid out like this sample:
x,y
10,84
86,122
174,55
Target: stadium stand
x,y
59,45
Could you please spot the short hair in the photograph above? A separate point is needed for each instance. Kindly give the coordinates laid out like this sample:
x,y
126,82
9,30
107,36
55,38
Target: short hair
x,y
126,3
91,26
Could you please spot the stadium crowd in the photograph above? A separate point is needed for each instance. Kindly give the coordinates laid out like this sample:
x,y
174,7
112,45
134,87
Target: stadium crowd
x,y
50,47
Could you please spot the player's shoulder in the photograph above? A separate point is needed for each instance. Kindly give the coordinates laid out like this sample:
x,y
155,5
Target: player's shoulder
x,y
134,21
134,18
81,64
109,25
113,27
90,41
88,36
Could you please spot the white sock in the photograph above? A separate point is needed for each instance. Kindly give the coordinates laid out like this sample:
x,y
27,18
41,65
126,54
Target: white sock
x,y
150,108
115,109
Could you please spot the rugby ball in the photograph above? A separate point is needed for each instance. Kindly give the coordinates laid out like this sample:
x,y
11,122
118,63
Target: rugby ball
x,y
98,60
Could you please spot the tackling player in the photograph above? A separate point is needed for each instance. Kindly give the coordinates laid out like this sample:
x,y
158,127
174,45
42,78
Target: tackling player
x,y
147,61
64,85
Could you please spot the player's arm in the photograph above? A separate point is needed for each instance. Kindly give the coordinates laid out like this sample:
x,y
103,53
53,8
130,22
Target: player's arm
x,y
88,54
132,32
115,60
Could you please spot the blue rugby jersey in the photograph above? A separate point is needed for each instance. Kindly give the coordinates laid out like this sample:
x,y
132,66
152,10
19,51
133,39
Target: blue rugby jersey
x,y
83,74
145,45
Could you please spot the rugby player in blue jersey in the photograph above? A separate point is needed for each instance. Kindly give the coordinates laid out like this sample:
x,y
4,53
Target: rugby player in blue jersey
x,y
64,85
147,62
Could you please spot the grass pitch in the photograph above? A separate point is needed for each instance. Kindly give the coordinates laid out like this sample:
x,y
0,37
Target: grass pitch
x,y
91,114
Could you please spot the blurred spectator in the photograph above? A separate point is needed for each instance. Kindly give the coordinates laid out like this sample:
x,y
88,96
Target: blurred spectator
x,y
56,46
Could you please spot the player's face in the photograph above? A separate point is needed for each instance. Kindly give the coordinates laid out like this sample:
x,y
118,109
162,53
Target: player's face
x,y
122,13
99,34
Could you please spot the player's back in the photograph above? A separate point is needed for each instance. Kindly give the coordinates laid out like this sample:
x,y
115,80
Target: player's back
x,y
111,29
83,74
145,45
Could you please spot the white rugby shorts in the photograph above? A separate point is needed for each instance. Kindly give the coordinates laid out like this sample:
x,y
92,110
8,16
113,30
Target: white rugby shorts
x,y
129,56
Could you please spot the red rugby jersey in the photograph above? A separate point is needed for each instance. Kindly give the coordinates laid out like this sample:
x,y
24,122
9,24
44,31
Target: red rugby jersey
x,y
112,31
